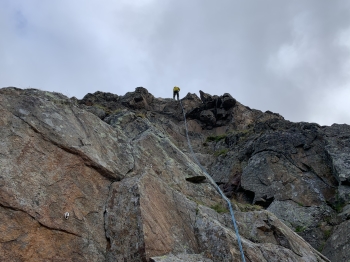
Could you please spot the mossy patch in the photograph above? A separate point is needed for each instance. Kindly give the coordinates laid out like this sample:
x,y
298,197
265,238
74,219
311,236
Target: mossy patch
x,y
221,152
100,107
249,207
321,247
141,115
339,205
114,112
219,208
327,233
300,229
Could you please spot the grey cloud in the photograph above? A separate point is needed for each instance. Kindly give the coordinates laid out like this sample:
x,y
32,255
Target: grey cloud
x,y
230,46
286,57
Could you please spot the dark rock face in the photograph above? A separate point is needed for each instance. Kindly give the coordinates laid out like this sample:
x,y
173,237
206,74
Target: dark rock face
x,y
214,110
338,245
205,97
273,162
99,97
100,104
338,149
344,194
121,167
228,101
140,99
284,165
289,164
309,221
207,117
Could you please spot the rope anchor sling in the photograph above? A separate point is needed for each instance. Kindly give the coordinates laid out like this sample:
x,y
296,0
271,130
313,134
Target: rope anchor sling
x,y
212,182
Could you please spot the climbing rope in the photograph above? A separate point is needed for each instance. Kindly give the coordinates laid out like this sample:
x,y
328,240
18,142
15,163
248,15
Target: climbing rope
x,y
212,182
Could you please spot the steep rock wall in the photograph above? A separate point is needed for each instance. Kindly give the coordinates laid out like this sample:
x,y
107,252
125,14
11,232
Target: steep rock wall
x,y
121,175
298,171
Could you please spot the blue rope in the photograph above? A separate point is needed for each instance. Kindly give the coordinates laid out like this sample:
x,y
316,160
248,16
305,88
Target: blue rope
x,y
212,182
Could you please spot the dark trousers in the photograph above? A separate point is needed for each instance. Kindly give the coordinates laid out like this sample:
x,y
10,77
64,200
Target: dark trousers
x,y
177,94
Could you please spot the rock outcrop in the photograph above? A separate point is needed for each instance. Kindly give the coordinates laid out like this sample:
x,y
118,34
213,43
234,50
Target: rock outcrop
x,y
338,245
120,169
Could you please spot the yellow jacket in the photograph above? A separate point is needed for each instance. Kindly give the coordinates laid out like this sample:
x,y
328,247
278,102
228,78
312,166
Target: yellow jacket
x,y
176,89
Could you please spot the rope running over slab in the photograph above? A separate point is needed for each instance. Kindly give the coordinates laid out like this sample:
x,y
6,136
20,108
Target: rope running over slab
x,y
212,182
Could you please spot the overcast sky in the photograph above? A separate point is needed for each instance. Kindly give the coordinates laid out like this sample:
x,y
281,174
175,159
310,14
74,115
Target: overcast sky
x,y
289,57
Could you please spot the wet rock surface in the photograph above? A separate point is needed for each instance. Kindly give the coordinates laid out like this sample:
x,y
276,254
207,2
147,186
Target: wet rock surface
x,y
121,167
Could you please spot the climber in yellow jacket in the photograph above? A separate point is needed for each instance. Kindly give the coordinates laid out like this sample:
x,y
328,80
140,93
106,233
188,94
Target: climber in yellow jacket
x,y
176,91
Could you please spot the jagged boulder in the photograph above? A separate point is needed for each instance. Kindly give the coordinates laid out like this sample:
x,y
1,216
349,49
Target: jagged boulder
x,y
140,99
191,101
207,117
101,98
99,103
214,111
228,101
107,104
205,97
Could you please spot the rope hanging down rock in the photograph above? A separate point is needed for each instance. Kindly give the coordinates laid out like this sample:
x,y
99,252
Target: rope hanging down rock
x,y
212,182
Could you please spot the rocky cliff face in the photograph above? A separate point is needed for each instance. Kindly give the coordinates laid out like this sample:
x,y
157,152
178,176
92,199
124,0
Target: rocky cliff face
x,y
111,178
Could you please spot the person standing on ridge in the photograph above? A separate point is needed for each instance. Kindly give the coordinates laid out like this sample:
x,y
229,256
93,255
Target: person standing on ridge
x,y
176,91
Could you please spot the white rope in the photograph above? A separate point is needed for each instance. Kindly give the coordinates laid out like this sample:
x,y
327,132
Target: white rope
x,y
212,182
